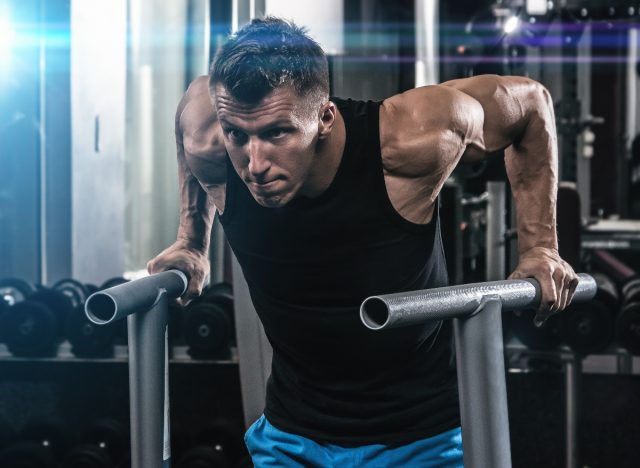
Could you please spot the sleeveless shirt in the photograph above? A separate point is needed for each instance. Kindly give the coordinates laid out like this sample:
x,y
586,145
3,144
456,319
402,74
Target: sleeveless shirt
x,y
309,265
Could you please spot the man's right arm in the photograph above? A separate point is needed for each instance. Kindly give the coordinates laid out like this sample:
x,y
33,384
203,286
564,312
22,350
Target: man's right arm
x,y
190,252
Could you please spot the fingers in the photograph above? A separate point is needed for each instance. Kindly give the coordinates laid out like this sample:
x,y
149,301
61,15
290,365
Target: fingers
x,y
548,303
558,290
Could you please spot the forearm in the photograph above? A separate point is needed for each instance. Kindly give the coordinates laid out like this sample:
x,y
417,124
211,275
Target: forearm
x,y
196,213
531,163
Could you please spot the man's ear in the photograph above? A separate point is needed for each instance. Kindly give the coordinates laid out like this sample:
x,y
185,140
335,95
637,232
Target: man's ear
x,y
327,116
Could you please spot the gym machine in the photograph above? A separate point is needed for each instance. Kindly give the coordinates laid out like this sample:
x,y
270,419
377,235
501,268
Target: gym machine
x,y
145,304
476,309
476,312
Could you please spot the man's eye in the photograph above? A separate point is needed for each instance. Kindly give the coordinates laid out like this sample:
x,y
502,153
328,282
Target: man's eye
x,y
276,133
235,135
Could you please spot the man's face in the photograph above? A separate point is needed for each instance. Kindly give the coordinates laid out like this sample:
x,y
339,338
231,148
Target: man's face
x,y
271,144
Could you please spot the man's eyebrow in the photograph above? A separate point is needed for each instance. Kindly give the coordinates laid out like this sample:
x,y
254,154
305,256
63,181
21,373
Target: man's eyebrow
x,y
282,122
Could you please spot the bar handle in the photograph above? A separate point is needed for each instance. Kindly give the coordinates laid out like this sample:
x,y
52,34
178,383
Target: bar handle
x,y
408,308
115,303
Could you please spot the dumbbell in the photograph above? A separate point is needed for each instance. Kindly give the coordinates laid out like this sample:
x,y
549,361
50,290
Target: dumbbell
x,y
104,445
628,324
589,326
87,339
208,325
33,326
12,291
217,445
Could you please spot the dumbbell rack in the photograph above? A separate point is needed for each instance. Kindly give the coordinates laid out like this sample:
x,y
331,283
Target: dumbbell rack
x,y
52,385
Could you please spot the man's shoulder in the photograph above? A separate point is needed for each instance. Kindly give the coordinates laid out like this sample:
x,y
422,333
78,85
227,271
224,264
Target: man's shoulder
x,y
421,128
434,105
196,110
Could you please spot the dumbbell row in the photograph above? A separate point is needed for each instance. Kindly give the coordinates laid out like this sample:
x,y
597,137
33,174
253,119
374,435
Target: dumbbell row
x,y
613,315
34,319
105,443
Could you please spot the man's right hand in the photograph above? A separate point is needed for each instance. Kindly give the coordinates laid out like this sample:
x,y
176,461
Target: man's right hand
x,y
191,261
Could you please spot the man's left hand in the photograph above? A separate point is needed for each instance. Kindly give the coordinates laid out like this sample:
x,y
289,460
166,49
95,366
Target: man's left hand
x,y
556,277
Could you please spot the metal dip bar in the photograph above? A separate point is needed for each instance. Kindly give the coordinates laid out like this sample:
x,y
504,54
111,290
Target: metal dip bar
x,y
145,304
476,310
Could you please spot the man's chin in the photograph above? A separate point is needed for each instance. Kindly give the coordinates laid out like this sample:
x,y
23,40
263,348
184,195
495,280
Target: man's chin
x,y
274,201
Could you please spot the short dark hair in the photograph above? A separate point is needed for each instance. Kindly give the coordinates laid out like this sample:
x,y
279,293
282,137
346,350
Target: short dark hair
x,y
265,54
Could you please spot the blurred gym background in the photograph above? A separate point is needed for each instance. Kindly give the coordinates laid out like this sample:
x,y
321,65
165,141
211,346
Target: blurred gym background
x,y
88,194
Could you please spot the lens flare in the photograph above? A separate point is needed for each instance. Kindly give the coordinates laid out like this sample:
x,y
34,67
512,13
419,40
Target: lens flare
x,y
511,25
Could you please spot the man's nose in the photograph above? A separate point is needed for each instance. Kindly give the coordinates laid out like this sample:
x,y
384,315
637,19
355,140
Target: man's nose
x,y
259,163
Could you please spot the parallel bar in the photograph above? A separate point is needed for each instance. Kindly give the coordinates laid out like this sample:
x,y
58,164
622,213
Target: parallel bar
x,y
144,303
147,386
476,310
395,310
481,383
119,301
573,372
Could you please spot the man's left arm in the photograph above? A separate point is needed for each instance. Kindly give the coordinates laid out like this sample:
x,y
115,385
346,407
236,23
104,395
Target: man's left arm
x,y
518,116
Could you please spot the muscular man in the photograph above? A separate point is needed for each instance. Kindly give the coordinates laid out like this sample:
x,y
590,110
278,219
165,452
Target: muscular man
x,y
327,201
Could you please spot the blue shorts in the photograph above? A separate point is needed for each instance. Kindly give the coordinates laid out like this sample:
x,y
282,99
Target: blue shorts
x,y
271,447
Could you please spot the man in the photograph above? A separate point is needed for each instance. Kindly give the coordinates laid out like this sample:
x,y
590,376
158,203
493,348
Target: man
x,y
327,201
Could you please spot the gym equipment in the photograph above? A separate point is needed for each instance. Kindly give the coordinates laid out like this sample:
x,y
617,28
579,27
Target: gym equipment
x,y
207,331
628,324
209,327
33,326
111,282
547,337
569,224
627,327
104,445
145,304
14,290
221,294
121,326
476,310
91,288
589,326
75,290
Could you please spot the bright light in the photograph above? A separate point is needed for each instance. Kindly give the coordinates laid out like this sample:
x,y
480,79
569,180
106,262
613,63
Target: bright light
x,y
7,37
511,25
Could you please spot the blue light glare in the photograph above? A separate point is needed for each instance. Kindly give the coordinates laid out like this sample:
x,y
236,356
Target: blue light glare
x,y
7,37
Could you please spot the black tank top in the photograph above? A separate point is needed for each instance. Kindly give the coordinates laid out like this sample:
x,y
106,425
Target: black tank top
x,y
309,265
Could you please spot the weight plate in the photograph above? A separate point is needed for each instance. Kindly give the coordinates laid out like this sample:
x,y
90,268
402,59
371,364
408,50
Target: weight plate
x,y
87,339
59,303
590,326
207,329
73,289
628,328
30,329
631,291
113,282
14,290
